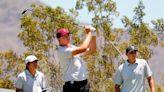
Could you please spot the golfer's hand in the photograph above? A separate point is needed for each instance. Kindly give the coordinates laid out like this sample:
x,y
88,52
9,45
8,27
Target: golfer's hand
x,y
87,29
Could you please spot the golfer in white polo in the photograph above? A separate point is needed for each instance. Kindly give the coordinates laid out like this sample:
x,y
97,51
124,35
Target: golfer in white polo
x,y
31,80
131,75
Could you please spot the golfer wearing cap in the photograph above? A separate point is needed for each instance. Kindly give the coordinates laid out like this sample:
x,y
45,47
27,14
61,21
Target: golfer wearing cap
x,y
31,80
131,75
72,65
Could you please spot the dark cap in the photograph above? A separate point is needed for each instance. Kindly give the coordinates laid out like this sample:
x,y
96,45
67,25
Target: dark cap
x,y
61,32
130,49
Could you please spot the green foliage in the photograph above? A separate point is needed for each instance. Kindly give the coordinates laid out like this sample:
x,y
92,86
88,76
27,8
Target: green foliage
x,y
139,13
38,34
159,25
1,71
140,34
10,59
102,10
101,64
40,25
159,28
6,83
10,65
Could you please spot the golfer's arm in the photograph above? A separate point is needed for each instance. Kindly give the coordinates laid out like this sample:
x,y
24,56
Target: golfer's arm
x,y
18,90
92,46
83,47
151,83
117,88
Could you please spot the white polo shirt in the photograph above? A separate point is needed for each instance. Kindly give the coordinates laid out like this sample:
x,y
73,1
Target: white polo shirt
x,y
132,76
28,83
73,67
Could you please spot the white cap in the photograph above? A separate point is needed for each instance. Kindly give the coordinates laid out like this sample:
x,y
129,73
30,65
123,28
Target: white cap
x,y
30,58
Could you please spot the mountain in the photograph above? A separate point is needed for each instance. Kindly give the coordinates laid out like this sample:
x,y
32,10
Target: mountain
x,y
156,63
10,13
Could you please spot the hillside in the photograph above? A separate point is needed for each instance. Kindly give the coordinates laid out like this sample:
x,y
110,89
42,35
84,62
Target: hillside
x,y
10,13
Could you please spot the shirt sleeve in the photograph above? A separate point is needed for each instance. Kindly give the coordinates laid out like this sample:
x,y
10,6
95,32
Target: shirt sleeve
x,y
118,78
19,83
148,71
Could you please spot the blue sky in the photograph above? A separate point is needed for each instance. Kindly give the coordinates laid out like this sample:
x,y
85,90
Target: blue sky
x,y
153,10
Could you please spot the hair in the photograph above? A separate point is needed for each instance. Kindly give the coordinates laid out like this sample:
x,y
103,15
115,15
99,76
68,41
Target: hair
x,y
58,35
26,67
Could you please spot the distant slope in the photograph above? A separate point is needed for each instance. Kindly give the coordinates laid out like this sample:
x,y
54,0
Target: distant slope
x,y
10,12
156,63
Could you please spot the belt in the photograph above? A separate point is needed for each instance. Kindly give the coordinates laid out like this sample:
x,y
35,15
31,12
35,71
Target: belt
x,y
77,82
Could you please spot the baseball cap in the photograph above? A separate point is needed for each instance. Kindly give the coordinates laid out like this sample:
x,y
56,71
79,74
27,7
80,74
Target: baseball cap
x,y
30,58
130,49
61,32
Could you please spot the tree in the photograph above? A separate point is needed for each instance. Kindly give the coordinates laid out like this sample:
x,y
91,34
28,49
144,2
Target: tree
x,y
11,64
38,35
40,23
159,28
101,65
140,33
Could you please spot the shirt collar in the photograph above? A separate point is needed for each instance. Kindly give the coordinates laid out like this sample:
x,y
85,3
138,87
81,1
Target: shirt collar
x,y
127,63
71,45
28,73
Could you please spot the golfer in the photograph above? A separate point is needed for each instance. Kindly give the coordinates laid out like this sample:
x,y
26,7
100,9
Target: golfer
x,y
72,65
130,76
31,80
